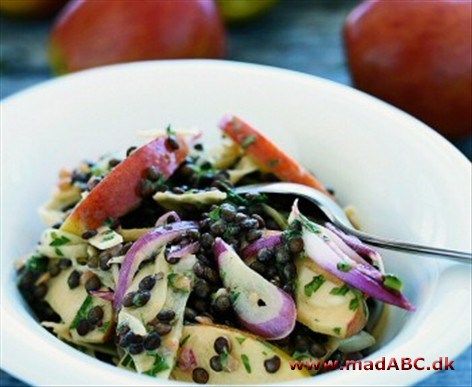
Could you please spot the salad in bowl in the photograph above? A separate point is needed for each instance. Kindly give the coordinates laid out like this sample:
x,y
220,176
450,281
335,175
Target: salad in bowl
x,y
154,262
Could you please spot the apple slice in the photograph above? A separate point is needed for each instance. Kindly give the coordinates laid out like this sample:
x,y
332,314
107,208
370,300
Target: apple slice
x,y
262,308
117,193
325,304
247,359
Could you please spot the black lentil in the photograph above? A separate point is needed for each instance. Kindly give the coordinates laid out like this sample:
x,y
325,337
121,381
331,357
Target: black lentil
x,y
83,327
113,162
65,263
253,235
147,283
200,375
289,271
227,212
74,279
89,234
40,291
272,365
302,343
128,299
95,315
54,269
91,184
93,283
222,345
317,350
201,288
207,240
295,245
282,255
145,188
162,328
218,228
222,303
153,173
264,255
136,349
152,341
141,298
215,364
190,314
103,261
166,315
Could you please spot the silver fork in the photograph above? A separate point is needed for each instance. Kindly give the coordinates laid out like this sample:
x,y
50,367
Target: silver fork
x,y
335,214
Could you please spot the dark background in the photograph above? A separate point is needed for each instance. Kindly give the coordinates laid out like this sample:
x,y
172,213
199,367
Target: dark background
x,y
302,35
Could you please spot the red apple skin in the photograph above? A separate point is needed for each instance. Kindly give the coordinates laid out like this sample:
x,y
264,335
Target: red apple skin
x,y
90,33
117,193
417,56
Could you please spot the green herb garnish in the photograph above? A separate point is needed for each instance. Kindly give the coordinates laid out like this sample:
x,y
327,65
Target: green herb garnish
x,y
337,330
354,303
297,355
58,251
59,241
159,365
82,312
184,340
234,296
392,282
248,141
240,340
312,286
246,363
344,266
341,291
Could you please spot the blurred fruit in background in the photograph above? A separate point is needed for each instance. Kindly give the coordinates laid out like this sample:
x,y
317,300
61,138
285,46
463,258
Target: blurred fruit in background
x,y
417,56
30,9
90,33
238,11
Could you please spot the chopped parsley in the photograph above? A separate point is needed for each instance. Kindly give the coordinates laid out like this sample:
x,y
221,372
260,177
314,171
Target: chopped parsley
x,y
312,286
159,365
214,215
59,241
249,141
354,303
128,362
392,282
82,312
246,363
234,296
311,226
337,330
240,340
265,344
297,355
104,327
341,291
184,340
344,266
58,251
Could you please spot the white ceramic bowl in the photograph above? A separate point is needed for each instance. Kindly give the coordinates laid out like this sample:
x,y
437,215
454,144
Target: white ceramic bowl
x,y
406,181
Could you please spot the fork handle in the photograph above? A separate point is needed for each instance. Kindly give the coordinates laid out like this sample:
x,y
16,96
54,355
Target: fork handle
x,y
453,255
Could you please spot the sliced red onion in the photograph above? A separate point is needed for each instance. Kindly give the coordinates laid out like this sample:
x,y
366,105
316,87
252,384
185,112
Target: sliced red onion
x,y
182,251
268,242
262,308
162,221
142,249
321,249
104,295
356,244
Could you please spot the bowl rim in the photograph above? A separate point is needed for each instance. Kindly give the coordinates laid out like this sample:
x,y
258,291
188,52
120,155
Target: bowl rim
x,y
120,376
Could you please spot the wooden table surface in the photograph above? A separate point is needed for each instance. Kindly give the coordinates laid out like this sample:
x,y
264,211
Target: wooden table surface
x,y
301,35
